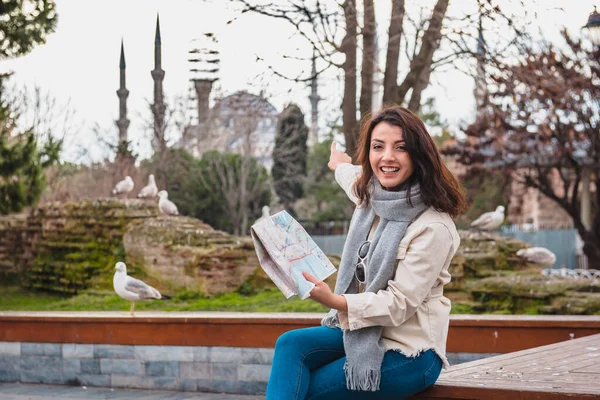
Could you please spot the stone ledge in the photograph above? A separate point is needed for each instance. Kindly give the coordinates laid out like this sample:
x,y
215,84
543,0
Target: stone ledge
x,y
183,368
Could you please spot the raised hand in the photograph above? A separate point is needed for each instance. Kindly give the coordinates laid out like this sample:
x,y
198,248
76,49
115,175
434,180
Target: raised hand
x,y
337,157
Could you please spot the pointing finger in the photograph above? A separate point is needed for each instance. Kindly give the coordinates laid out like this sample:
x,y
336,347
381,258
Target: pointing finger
x,y
333,147
309,277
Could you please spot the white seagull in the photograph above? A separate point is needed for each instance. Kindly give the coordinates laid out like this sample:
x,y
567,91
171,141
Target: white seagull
x,y
133,289
265,215
125,186
538,255
490,220
165,205
150,190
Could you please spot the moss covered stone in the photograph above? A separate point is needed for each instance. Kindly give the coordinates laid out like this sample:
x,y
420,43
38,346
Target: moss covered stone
x,y
182,253
71,246
488,277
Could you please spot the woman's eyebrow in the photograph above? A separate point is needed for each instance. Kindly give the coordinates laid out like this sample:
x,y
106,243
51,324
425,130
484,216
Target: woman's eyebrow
x,y
381,141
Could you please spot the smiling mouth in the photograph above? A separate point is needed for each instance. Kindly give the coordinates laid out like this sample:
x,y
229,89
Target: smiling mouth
x,y
389,170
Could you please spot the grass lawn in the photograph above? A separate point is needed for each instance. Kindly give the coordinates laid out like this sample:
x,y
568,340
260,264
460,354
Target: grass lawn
x,y
14,298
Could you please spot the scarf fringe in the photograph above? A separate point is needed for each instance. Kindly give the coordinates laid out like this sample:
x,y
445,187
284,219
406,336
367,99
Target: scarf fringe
x,y
331,319
361,378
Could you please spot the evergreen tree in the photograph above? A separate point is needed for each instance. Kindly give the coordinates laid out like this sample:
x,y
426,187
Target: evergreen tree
x,y
22,162
23,24
289,156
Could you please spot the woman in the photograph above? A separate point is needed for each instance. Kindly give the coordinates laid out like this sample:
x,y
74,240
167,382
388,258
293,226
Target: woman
x,y
385,337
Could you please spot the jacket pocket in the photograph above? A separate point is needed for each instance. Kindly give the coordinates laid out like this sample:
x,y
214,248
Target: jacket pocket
x,y
401,251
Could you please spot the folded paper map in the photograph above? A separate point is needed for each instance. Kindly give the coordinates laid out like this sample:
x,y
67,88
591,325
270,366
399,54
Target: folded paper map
x,y
284,250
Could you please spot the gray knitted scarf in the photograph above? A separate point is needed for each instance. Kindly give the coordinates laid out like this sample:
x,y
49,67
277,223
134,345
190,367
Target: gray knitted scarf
x,y
363,347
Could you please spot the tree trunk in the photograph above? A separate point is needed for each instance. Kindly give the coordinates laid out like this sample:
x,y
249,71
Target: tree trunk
x,y
393,52
163,167
591,237
591,249
422,62
348,47
415,98
244,171
368,59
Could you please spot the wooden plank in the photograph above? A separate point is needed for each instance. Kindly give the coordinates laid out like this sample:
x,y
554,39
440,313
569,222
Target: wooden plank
x,y
563,370
478,393
544,362
592,369
523,353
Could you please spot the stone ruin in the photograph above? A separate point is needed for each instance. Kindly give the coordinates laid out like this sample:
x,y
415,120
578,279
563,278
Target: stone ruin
x,y
67,247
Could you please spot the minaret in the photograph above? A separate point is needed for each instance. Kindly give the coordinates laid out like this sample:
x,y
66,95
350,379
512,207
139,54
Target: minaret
x,y
158,108
122,122
480,84
203,88
314,98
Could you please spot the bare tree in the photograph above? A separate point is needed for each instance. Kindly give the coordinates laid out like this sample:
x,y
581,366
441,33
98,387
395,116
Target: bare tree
x,y
243,124
420,66
319,23
368,59
390,76
166,126
541,125
50,121
41,112
349,48
332,28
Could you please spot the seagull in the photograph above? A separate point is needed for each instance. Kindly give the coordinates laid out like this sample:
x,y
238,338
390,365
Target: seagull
x,y
165,205
538,255
125,186
150,190
490,220
133,289
265,215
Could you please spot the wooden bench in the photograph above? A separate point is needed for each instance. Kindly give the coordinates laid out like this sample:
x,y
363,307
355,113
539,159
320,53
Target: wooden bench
x,y
565,370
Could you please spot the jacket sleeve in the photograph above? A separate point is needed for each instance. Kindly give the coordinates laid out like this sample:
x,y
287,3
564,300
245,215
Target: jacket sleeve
x,y
417,271
345,175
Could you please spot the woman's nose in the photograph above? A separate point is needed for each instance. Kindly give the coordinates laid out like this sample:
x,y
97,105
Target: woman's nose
x,y
388,154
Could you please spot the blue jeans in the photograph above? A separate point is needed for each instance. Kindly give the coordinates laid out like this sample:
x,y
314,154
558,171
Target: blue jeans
x,y
309,364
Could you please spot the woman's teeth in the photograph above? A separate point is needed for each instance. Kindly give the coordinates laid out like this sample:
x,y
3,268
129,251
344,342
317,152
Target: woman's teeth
x,y
388,169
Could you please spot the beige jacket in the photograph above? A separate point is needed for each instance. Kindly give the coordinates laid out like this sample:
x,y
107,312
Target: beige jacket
x,y
412,310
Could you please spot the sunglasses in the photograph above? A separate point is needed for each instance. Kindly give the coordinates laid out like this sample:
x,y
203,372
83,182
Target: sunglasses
x,y
359,272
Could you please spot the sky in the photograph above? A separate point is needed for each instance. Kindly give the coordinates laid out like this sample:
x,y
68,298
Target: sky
x,y
79,64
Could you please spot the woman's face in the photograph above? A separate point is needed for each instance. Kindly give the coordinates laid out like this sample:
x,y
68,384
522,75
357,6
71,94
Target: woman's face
x,y
389,159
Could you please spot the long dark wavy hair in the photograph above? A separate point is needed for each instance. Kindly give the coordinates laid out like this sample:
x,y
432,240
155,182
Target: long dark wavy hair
x,y
439,188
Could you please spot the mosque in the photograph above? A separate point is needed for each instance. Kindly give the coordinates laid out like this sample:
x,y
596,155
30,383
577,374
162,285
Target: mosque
x,y
242,122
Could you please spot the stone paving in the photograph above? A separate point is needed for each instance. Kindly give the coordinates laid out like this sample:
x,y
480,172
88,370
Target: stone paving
x,y
27,391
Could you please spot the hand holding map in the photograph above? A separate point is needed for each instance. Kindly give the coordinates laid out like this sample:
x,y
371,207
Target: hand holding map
x,y
285,250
